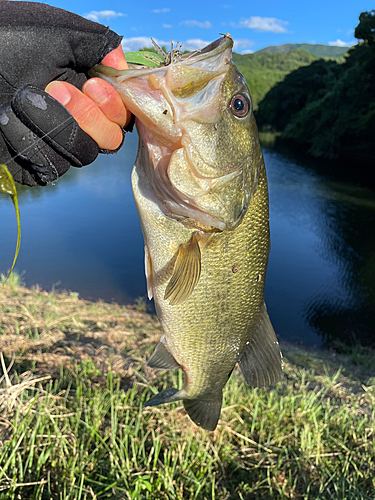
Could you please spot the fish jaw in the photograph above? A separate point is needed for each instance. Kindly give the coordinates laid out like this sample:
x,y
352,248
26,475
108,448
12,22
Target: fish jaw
x,y
175,106
159,97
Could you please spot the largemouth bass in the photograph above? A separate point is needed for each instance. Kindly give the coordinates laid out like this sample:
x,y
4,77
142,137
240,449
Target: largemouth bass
x,y
200,187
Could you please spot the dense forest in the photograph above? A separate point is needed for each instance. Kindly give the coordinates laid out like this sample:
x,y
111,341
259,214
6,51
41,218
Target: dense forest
x,y
328,106
263,70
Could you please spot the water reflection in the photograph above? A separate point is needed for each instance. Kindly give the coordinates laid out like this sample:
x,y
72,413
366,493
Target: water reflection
x,y
83,234
323,255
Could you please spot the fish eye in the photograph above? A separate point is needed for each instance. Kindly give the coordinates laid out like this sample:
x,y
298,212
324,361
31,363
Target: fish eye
x,y
240,105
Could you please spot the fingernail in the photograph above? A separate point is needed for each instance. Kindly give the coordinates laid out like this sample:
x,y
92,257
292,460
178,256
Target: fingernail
x,y
95,91
59,92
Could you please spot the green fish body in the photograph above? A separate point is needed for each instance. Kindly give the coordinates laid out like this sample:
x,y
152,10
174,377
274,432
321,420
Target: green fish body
x,y
200,187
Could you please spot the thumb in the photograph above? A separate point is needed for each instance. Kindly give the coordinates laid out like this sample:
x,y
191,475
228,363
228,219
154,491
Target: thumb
x,y
116,59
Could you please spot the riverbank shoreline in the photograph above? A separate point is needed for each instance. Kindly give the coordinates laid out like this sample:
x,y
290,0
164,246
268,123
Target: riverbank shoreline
x,y
342,166
72,422
36,319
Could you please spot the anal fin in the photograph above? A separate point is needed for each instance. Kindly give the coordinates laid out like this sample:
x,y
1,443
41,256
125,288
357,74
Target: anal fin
x,y
261,362
161,358
186,272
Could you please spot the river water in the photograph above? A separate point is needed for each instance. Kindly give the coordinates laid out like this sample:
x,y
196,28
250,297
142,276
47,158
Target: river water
x,y
83,235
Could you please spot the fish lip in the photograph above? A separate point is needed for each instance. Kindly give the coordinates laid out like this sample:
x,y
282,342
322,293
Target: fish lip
x,y
214,48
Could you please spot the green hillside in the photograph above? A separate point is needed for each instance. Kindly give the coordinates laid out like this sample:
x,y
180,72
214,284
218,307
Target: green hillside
x,y
263,70
317,50
328,108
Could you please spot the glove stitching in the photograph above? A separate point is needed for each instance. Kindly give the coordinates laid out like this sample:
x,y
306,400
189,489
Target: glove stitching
x,y
52,168
73,136
40,153
66,150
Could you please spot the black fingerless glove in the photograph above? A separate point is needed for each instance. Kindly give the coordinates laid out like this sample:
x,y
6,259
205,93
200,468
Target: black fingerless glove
x,y
39,138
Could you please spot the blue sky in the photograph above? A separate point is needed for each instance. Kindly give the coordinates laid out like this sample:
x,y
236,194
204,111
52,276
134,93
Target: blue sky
x,y
253,25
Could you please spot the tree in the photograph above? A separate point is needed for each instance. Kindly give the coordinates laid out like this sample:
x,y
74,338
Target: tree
x,y
366,27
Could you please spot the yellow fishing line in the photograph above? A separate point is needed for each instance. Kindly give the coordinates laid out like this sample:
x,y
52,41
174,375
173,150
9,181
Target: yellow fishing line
x,y
8,186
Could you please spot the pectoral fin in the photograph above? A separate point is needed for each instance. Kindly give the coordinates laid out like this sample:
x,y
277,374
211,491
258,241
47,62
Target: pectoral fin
x,y
261,362
186,272
161,358
148,273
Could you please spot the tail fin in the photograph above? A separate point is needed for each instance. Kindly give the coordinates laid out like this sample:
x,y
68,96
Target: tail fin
x,y
205,413
167,396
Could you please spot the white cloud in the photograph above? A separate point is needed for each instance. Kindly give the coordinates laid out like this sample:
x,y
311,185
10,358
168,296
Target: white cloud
x,y
167,26
161,11
138,42
269,24
97,15
243,45
340,43
195,43
193,24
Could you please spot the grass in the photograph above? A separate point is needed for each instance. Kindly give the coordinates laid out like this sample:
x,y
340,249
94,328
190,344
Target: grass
x,y
73,426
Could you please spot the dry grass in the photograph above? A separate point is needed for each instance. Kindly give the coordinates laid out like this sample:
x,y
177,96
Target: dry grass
x,y
59,329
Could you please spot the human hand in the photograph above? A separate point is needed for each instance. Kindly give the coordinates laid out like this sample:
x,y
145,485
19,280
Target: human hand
x,y
98,109
39,139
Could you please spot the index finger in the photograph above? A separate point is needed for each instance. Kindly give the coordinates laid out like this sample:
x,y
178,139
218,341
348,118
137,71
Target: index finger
x,y
107,99
104,95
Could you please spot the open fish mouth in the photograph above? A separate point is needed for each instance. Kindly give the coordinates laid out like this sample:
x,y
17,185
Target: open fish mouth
x,y
170,104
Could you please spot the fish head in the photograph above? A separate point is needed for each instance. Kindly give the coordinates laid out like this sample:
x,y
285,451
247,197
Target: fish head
x,y
194,117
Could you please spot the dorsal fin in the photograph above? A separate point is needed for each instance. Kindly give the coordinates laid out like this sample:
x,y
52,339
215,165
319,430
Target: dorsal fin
x,y
261,362
186,272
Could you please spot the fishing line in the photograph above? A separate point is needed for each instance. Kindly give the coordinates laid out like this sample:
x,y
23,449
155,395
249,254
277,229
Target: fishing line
x,y
14,194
